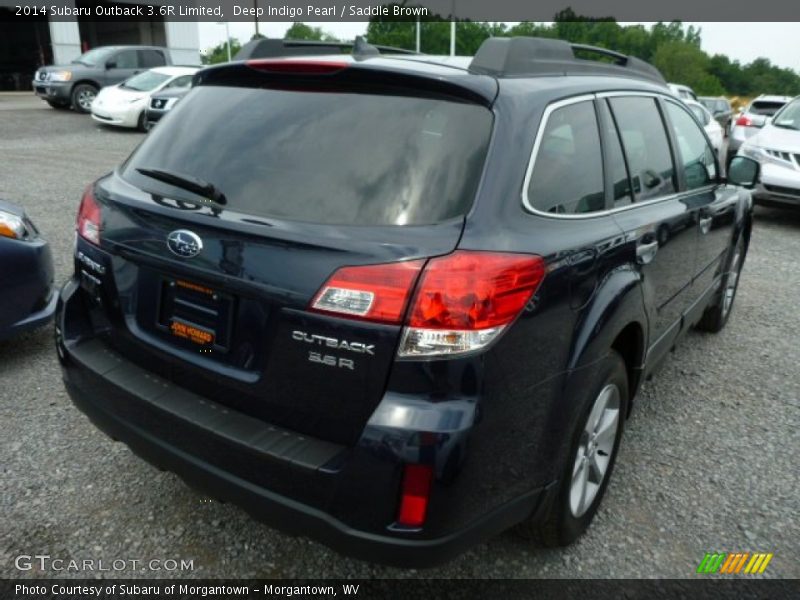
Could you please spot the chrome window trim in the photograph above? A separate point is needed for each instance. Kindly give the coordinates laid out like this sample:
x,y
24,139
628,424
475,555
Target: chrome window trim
x,y
600,213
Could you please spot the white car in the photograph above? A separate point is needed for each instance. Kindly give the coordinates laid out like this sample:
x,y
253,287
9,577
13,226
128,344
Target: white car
x,y
777,147
750,121
124,104
684,92
713,128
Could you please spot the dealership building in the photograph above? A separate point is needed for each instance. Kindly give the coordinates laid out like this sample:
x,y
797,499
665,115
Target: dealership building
x,y
28,42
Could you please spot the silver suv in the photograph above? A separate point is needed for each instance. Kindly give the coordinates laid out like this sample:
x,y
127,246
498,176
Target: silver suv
x,y
753,118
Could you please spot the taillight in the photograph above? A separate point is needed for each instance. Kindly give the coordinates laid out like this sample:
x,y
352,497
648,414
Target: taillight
x,y
297,67
372,292
462,303
744,121
466,299
414,495
88,222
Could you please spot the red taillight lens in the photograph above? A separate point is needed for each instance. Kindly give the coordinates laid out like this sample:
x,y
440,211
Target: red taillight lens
x,y
88,222
475,290
463,300
371,292
744,121
298,67
414,495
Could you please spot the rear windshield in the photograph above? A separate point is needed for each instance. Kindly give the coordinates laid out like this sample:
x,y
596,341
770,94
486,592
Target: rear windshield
x,y
765,108
337,158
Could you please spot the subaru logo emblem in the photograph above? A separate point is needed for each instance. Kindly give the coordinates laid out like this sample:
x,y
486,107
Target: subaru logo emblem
x,y
184,243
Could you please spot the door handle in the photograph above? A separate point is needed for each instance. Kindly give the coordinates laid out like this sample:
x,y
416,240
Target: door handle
x,y
645,253
705,225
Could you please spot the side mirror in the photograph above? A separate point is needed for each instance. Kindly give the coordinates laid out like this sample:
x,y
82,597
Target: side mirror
x,y
743,171
112,64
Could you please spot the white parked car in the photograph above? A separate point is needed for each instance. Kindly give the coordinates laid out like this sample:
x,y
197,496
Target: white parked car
x,y
777,147
684,92
750,121
713,128
124,104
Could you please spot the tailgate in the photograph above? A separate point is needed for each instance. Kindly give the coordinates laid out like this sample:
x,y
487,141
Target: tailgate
x,y
232,322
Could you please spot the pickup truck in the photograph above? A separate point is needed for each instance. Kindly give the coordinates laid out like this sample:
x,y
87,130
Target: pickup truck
x,y
76,84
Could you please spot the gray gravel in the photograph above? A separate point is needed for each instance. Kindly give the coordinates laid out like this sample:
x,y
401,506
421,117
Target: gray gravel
x,y
708,462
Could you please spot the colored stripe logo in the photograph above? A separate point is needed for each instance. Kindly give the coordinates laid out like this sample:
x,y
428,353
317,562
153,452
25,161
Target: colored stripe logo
x,y
735,563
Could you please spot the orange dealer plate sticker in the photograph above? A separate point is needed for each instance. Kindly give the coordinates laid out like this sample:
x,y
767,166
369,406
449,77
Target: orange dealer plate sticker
x,y
191,333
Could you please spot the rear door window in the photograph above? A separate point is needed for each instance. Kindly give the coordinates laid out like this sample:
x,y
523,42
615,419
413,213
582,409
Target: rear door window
x,y
567,174
617,168
127,60
151,58
646,146
323,157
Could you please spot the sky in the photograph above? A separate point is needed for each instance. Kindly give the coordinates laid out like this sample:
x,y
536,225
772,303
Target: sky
x,y
779,42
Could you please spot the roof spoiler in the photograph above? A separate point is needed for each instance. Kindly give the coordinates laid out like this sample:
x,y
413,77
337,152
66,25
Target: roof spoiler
x,y
530,57
275,48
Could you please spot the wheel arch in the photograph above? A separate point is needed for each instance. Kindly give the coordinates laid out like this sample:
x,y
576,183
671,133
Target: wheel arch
x,y
614,319
90,82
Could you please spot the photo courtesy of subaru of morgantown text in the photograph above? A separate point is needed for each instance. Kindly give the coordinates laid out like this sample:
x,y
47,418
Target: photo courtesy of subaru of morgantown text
x,y
305,308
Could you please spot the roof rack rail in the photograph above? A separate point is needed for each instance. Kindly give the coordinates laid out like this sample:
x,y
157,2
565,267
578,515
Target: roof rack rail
x,y
275,48
530,56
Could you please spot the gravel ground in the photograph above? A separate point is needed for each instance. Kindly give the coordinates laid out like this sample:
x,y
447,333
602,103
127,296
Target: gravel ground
x,y
708,461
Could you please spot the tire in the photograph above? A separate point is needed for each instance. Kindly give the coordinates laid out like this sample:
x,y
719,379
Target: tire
x,y
60,105
717,314
141,124
575,505
82,96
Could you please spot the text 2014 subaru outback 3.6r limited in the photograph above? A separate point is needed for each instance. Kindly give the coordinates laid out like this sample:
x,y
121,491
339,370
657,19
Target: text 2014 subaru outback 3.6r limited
x,y
395,304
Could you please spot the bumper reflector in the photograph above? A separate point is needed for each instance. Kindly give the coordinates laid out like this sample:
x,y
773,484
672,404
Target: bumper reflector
x,y
414,496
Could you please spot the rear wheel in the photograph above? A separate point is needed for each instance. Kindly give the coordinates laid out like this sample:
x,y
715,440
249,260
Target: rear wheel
x,y
595,442
82,97
716,315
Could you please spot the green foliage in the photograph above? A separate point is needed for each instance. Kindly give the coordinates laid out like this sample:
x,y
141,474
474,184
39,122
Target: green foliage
x,y
301,31
672,47
219,53
684,62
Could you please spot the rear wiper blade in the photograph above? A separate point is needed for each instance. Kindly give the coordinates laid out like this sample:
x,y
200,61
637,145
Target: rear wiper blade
x,y
186,182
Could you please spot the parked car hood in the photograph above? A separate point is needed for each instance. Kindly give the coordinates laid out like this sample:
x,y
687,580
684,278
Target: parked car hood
x,y
115,93
777,138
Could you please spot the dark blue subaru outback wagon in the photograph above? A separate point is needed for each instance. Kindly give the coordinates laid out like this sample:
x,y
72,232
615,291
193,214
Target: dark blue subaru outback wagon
x,y
401,303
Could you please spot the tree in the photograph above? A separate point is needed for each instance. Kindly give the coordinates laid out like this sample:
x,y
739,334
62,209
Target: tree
x,y
301,31
672,47
683,62
219,53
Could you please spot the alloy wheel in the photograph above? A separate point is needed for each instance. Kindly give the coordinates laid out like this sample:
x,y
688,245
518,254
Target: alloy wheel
x,y
594,450
85,99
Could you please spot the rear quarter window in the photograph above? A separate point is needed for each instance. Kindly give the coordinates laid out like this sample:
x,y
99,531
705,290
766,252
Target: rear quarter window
x,y
567,175
324,157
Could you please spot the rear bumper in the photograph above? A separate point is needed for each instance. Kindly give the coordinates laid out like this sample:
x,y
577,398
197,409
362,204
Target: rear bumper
x,y
341,496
